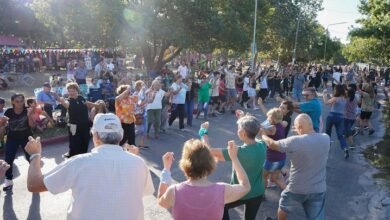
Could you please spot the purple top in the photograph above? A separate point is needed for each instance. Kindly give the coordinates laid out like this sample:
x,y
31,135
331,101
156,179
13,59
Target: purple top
x,y
273,155
198,202
350,109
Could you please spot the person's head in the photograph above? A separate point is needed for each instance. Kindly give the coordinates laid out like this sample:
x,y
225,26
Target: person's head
x,y
339,91
178,79
106,129
183,63
286,107
217,74
46,87
248,127
303,124
31,103
309,93
81,64
121,89
73,89
17,101
139,84
196,160
275,116
156,84
101,106
2,103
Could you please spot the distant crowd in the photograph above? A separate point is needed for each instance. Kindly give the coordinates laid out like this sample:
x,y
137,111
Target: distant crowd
x,y
119,107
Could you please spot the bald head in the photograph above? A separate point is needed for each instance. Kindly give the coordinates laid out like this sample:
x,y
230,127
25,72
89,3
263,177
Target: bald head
x,y
303,124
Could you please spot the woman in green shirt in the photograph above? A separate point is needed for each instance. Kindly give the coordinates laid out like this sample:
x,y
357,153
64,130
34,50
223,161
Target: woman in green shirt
x,y
251,156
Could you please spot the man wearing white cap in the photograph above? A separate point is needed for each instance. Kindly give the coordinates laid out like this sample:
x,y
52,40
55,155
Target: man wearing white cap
x,y
107,183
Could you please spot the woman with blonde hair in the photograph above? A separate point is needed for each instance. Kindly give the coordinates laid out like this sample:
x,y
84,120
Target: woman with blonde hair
x,y
197,193
154,96
274,127
79,128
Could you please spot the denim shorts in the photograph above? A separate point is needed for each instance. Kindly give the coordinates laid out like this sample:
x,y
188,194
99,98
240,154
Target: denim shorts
x,y
231,93
272,166
313,204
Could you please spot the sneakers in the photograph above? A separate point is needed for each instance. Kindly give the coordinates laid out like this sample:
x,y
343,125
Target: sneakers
x,y
351,147
355,133
8,184
255,108
245,106
346,154
371,131
213,115
66,155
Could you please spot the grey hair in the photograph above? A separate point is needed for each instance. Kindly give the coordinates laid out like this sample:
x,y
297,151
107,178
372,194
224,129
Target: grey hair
x,y
110,137
250,124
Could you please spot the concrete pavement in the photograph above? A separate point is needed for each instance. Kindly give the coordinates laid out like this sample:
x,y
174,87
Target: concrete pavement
x,y
352,193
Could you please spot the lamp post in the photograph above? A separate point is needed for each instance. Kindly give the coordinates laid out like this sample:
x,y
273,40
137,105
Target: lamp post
x,y
296,39
327,33
253,46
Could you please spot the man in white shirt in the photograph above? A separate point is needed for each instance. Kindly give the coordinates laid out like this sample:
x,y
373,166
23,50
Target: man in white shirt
x,y
107,183
183,70
230,78
336,77
178,91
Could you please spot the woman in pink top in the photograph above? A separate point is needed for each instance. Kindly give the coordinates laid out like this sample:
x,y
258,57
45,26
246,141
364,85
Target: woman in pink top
x,y
197,198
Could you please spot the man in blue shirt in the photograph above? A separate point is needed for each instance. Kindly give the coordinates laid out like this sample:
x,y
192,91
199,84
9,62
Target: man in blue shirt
x,y
311,106
48,100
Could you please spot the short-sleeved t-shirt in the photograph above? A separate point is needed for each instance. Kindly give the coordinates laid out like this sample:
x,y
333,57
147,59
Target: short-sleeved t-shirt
x,y
179,98
157,101
367,102
252,158
313,109
46,98
127,180
308,154
204,92
18,127
125,109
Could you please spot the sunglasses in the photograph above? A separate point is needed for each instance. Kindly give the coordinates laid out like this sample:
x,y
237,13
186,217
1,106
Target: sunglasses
x,y
305,95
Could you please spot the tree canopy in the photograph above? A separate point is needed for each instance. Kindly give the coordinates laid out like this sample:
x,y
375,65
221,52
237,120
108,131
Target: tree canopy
x,y
370,42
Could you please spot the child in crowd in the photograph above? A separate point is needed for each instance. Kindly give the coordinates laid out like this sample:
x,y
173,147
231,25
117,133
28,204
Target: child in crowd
x,y
41,118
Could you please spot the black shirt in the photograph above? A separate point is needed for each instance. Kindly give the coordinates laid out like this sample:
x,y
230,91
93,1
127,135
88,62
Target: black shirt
x,y
78,111
18,127
287,118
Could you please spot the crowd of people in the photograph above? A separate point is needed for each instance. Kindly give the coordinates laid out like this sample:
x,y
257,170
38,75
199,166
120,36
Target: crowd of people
x,y
138,104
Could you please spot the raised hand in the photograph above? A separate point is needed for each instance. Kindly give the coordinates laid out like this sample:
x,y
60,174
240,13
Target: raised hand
x,y
33,146
131,148
168,159
232,149
4,166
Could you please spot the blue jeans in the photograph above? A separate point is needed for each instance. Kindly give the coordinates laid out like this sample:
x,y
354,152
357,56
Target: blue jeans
x,y
203,106
297,94
189,111
348,123
11,148
337,120
312,203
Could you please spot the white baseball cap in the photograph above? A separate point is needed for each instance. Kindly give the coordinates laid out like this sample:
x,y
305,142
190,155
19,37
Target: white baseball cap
x,y
107,123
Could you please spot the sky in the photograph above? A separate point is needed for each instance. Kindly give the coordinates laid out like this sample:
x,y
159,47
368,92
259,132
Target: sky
x,y
335,11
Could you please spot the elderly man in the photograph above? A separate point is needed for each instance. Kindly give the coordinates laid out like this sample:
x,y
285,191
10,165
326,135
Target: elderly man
x,y
48,100
107,183
308,152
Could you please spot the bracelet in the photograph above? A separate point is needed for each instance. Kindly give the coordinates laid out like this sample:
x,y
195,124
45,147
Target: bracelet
x,y
165,177
33,156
